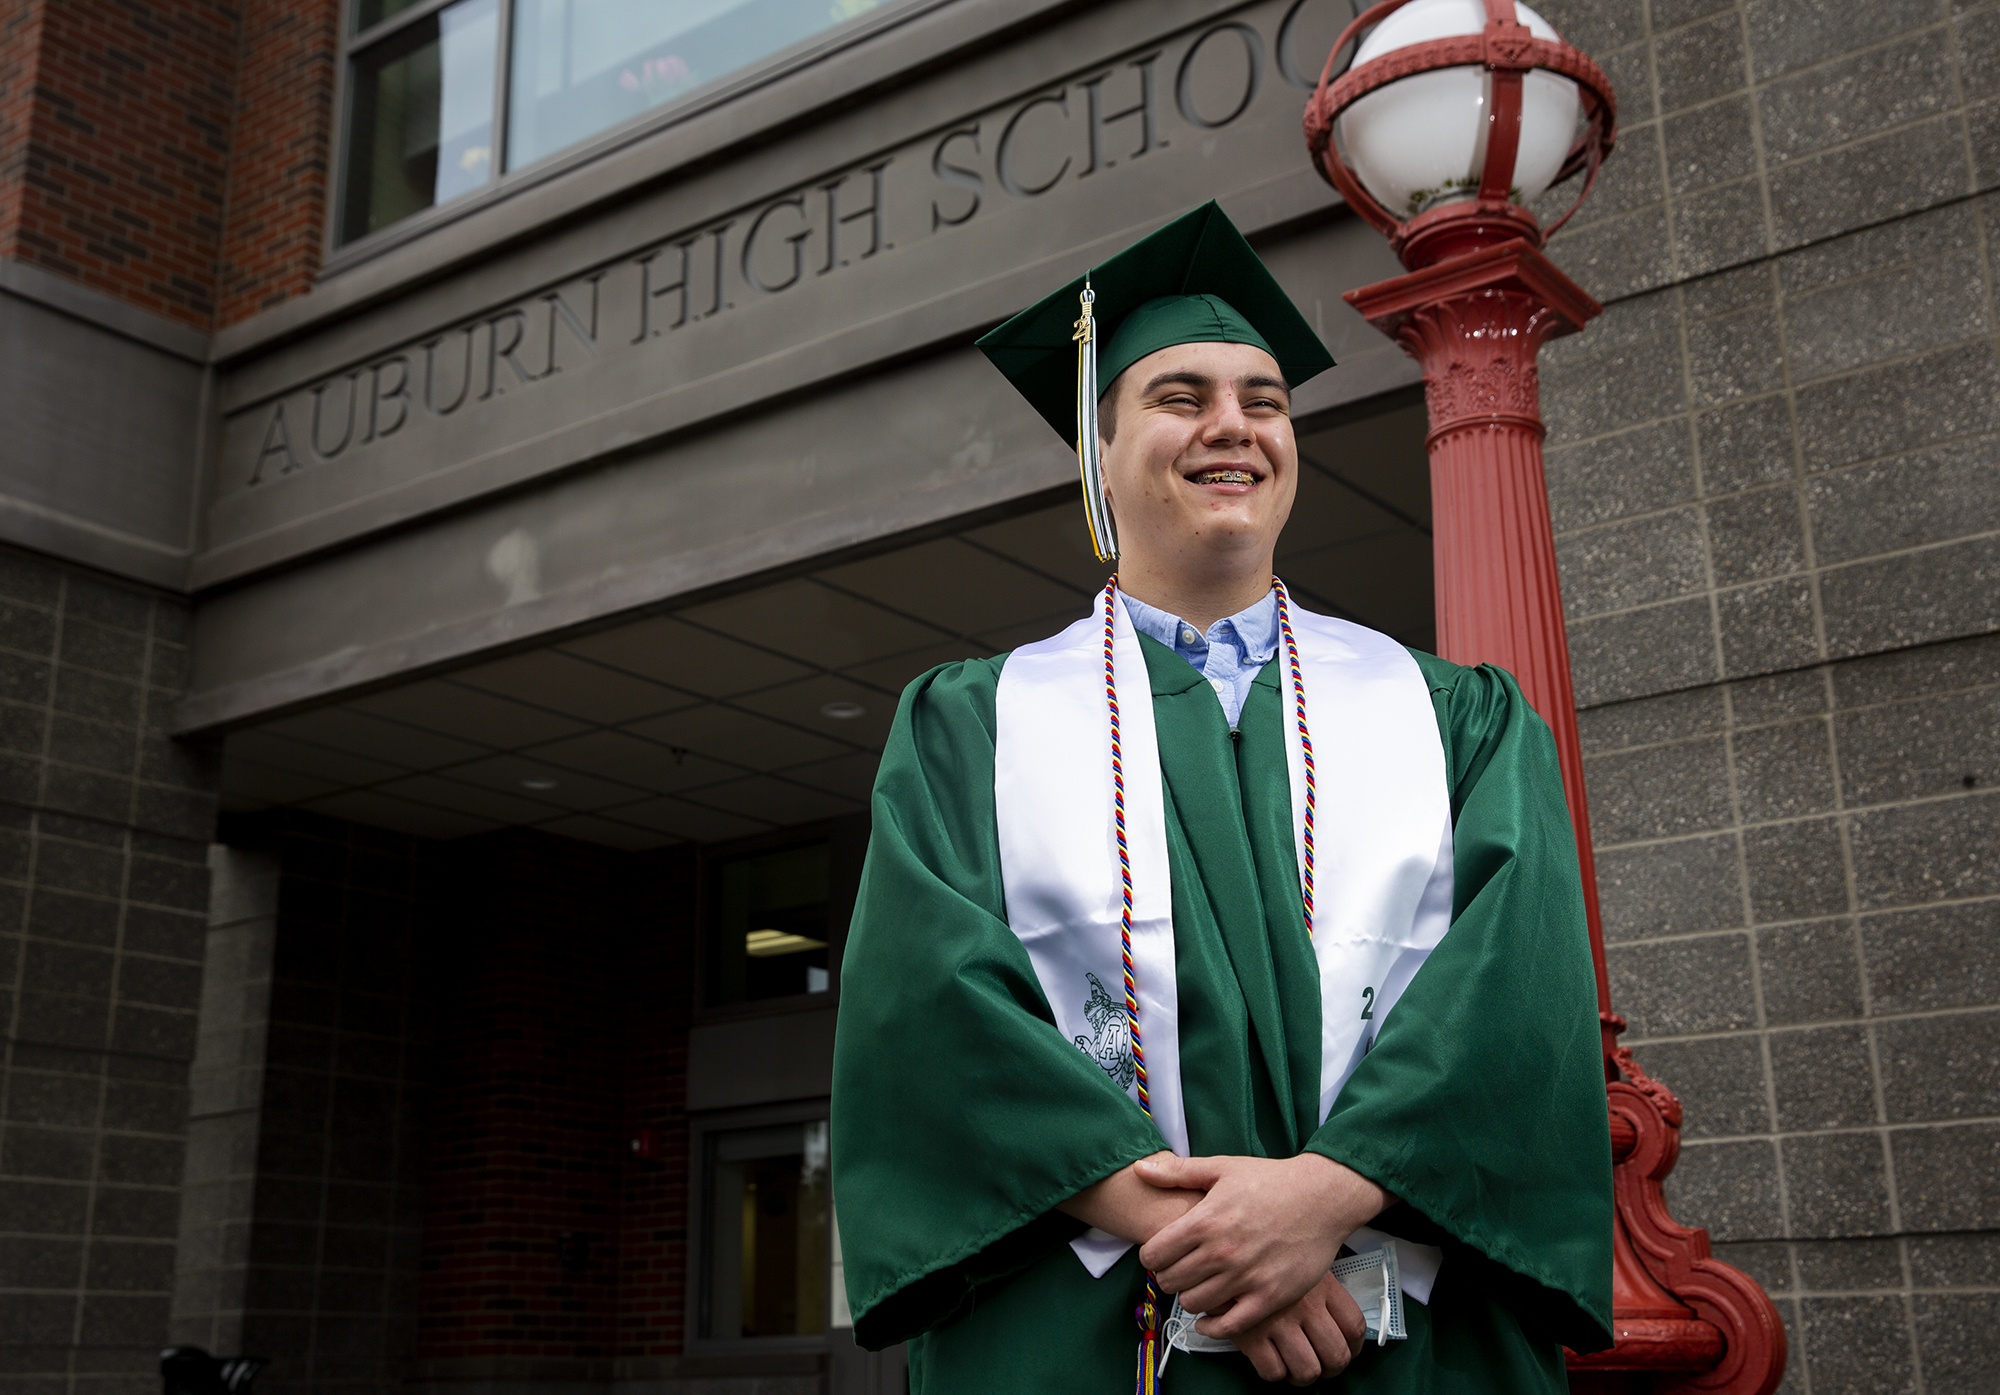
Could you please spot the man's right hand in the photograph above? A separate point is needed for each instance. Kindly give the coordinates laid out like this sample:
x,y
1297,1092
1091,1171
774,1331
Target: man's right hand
x,y
1314,1339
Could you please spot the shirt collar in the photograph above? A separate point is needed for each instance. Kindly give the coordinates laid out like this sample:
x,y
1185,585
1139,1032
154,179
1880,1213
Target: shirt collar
x,y
1253,631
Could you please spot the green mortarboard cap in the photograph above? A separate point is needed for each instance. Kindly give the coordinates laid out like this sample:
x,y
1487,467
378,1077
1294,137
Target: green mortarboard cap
x,y
1194,281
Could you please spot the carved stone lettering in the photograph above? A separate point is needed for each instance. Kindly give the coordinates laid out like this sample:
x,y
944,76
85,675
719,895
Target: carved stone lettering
x,y
543,337
277,445
1288,46
1003,155
1098,118
507,347
399,394
325,452
560,313
959,176
835,219
794,240
678,287
431,403
1253,75
716,236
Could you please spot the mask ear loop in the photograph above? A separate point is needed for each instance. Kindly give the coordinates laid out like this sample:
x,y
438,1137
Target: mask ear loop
x,y
1096,508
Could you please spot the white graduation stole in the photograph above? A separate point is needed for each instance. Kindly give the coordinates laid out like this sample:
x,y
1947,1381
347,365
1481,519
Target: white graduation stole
x,y
1383,865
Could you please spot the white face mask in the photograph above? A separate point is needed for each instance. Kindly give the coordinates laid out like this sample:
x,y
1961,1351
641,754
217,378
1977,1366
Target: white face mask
x,y
1371,1279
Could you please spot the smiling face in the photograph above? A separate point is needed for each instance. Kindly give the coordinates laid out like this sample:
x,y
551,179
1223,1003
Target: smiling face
x,y
1202,467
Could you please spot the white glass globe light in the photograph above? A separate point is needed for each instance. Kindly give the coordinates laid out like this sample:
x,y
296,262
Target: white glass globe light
x,y
1420,142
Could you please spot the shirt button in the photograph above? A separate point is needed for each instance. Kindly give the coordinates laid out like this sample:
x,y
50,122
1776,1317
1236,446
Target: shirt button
x,y
1188,636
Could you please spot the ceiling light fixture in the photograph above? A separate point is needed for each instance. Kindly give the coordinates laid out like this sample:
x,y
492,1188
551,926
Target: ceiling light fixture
x,y
842,711
538,782
765,944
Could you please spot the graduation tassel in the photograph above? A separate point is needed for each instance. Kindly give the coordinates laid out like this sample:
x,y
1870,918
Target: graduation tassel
x,y
1096,508
1151,1363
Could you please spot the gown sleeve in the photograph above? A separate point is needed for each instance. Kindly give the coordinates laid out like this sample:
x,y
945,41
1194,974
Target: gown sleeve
x,y
961,1115
1481,1104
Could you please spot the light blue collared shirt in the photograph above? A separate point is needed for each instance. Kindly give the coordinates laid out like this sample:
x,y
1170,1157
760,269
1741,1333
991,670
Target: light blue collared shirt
x,y
1229,656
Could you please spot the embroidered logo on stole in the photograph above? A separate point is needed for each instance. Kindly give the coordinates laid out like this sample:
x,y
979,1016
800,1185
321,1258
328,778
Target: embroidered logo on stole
x,y
1109,1044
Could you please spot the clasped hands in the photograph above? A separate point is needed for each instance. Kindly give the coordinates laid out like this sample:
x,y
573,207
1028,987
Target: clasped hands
x,y
1249,1242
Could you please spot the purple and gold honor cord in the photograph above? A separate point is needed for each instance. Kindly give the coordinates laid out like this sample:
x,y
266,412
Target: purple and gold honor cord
x,y
1147,1314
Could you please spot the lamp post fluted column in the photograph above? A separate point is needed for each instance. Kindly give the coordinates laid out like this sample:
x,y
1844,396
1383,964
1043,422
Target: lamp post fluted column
x,y
1476,323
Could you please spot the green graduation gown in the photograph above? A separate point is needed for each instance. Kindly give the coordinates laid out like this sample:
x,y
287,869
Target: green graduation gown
x,y
961,1116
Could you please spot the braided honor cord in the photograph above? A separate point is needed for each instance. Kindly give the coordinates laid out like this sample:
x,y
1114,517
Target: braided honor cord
x,y
1124,850
1147,1315
1305,745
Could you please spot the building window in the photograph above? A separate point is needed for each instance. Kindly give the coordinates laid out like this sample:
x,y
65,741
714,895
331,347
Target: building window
x,y
770,922
582,66
444,95
419,110
766,1270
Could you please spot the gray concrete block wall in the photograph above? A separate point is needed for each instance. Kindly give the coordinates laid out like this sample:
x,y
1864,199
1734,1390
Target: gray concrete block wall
x,y
104,823
328,1262
1774,470
1803,916
226,1103
1750,127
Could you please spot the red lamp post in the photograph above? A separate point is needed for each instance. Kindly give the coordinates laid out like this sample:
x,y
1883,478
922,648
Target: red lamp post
x,y
1460,123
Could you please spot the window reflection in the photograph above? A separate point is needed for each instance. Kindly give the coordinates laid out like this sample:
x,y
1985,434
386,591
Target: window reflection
x,y
424,93
769,926
581,66
368,13
766,1225
420,126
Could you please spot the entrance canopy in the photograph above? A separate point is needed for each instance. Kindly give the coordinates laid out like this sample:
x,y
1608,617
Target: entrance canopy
x,y
769,707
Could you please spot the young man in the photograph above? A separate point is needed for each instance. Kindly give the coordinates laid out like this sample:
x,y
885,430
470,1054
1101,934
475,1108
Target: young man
x,y
1210,940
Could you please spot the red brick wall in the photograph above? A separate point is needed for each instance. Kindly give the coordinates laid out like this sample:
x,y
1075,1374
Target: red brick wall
x,y
171,153
564,1025
652,1249
117,152
280,166
20,43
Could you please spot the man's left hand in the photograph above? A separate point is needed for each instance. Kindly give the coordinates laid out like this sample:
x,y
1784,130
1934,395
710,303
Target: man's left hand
x,y
1312,1340
1264,1236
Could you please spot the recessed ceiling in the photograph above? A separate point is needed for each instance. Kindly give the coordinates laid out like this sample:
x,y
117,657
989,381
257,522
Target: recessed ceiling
x,y
740,715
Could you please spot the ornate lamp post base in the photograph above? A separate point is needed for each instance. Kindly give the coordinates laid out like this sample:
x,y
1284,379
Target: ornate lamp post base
x,y
1683,1321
